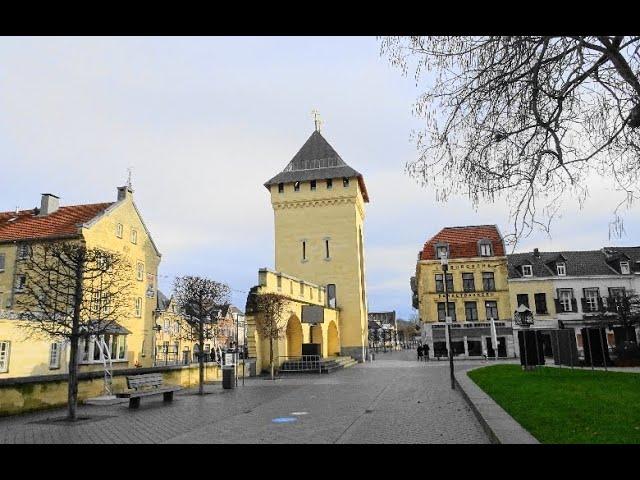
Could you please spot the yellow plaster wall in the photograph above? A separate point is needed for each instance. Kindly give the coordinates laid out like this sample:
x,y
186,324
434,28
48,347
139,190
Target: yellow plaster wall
x,y
259,347
27,397
428,298
532,287
337,214
102,234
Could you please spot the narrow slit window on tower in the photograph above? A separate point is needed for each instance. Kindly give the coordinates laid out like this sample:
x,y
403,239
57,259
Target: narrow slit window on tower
x,y
304,250
326,249
345,181
281,188
313,184
329,183
296,187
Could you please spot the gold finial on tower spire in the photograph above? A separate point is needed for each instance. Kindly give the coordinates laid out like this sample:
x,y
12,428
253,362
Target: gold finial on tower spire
x,y
316,119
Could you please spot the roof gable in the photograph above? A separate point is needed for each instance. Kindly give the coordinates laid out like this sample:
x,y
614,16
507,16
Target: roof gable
x,y
463,241
64,222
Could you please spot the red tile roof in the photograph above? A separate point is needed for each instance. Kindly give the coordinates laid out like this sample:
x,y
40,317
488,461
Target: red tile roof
x,y
463,241
25,225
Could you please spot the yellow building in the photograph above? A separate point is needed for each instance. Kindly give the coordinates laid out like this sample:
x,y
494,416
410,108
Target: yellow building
x,y
478,290
114,226
300,294
318,204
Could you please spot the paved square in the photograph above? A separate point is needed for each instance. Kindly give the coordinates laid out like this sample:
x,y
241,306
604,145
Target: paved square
x,y
394,399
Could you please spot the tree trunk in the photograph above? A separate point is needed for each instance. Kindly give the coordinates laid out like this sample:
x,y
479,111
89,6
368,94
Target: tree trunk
x,y
201,360
273,377
72,395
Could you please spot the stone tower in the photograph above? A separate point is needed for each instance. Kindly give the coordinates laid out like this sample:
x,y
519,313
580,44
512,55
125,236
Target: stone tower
x,y
318,203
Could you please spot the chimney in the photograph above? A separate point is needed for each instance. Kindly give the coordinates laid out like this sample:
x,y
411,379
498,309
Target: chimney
x,y
536,253
49,203
124,192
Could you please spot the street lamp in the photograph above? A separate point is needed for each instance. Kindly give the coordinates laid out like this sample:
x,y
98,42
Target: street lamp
x,y
523,317
157,328
444,261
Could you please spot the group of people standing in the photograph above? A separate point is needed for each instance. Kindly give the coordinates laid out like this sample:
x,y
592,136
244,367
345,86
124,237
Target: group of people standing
x,y
423,352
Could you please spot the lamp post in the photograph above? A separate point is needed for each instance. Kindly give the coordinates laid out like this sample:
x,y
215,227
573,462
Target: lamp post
x,y
157,329
444,261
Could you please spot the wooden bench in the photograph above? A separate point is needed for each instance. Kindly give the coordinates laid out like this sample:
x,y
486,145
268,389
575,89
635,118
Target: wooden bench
x,y
145,385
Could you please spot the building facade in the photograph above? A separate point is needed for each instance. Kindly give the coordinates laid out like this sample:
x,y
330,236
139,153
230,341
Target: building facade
x,y
113,226
383,330
319,208
575,289
476,283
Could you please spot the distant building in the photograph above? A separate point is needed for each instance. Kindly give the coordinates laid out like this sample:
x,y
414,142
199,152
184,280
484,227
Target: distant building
x,y
476,282
383,329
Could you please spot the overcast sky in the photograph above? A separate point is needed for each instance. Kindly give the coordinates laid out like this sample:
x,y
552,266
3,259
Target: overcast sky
x,y
204,122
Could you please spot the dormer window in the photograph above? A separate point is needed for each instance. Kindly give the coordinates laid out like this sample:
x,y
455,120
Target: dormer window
x,y
624,268
442,251
296,187
527,271
485,248
561,268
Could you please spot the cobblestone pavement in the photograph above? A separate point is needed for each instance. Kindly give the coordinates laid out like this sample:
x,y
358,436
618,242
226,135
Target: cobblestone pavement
x,y
394,399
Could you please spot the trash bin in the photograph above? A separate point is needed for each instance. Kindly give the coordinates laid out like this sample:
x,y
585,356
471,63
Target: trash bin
x,y
228,376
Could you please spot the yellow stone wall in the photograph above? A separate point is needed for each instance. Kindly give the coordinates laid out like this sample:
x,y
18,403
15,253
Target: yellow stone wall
x,y
428,298
313,216
27,397
313,295
531,287
31,356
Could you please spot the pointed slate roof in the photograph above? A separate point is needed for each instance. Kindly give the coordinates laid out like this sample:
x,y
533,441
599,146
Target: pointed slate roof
x,y
317,160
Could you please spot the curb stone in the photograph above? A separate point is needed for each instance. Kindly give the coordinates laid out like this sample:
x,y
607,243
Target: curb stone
x,y
500,427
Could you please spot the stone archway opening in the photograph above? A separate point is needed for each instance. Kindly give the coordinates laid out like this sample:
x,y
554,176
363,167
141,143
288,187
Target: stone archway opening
x,y
294,337
333,341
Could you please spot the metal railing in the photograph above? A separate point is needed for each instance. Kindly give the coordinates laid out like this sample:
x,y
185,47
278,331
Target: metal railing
x,y
300,363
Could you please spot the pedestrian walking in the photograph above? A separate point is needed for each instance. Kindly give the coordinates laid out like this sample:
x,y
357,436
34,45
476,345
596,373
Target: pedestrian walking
x,y
425,351
419,353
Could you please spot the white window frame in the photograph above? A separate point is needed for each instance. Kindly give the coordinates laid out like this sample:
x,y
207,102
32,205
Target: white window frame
x,y
2,262
133,237
524,270
591,296
23,251
140,271
565,297
561,269
119,230
20,288
105,302
54,355
5,353
625,269
138,307
485,249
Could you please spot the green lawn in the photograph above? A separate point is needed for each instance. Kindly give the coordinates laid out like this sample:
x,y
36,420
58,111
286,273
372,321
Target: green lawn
x,y
567,406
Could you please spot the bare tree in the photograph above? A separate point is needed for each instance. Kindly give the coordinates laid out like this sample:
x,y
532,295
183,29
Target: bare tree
x,y
526,118
71,292
199,300
271,323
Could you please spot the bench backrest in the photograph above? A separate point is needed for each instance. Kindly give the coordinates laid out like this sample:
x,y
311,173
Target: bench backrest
x,y
144,381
